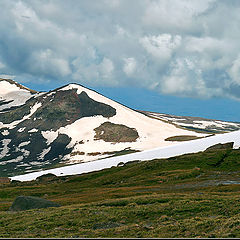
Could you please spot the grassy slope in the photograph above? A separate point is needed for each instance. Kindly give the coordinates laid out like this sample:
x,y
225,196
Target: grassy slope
x,y
178,197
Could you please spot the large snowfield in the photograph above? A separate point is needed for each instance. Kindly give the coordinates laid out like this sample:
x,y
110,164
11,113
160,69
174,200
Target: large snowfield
x,y
162,152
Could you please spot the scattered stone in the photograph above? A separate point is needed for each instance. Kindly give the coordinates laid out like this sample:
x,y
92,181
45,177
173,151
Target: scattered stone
x,y
22,203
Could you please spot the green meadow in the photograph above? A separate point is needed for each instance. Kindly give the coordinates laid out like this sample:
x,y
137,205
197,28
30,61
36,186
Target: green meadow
x,y
193,195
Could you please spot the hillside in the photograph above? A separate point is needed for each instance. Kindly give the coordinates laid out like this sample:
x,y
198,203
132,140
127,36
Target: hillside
x,y
188,196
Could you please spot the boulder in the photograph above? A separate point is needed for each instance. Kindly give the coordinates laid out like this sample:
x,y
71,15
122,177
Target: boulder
x,y
22,203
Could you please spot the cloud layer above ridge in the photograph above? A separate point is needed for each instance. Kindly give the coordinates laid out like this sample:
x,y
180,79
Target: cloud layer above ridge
x,y
183,48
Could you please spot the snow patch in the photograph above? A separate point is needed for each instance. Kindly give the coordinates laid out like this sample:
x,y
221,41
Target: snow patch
x,y
33,130
12,125
18,159
24,144
36,163
5,149
21,129
50,136
43,153
5,133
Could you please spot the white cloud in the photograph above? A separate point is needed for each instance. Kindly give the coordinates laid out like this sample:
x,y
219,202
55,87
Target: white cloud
x,y
175,14
177,80
185,78
234,71
106,67
130,65
178,47
5,76
2,65
121,31
200,44
161,46
96,71
46,61
112,3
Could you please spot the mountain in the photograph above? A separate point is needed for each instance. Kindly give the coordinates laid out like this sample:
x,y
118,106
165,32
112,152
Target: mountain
x,y
72,124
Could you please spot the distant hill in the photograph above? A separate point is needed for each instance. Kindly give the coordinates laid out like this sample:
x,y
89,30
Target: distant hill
x,y
196,123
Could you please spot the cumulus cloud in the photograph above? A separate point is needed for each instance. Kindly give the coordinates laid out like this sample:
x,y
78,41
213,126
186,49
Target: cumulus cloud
x,y
106,67
234,71
176,15
161,46
99,72
183,48
185,78
2,65
45,61
129,66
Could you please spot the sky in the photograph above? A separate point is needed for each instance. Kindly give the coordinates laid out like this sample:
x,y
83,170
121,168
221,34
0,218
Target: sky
x,y
172,56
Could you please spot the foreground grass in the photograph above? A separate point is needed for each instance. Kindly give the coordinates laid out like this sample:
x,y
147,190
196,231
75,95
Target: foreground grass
x,y
186,196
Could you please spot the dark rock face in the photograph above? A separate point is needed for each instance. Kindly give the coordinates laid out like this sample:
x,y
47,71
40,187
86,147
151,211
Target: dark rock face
x,y
228,145
90,107
65,107
58,110
22,203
